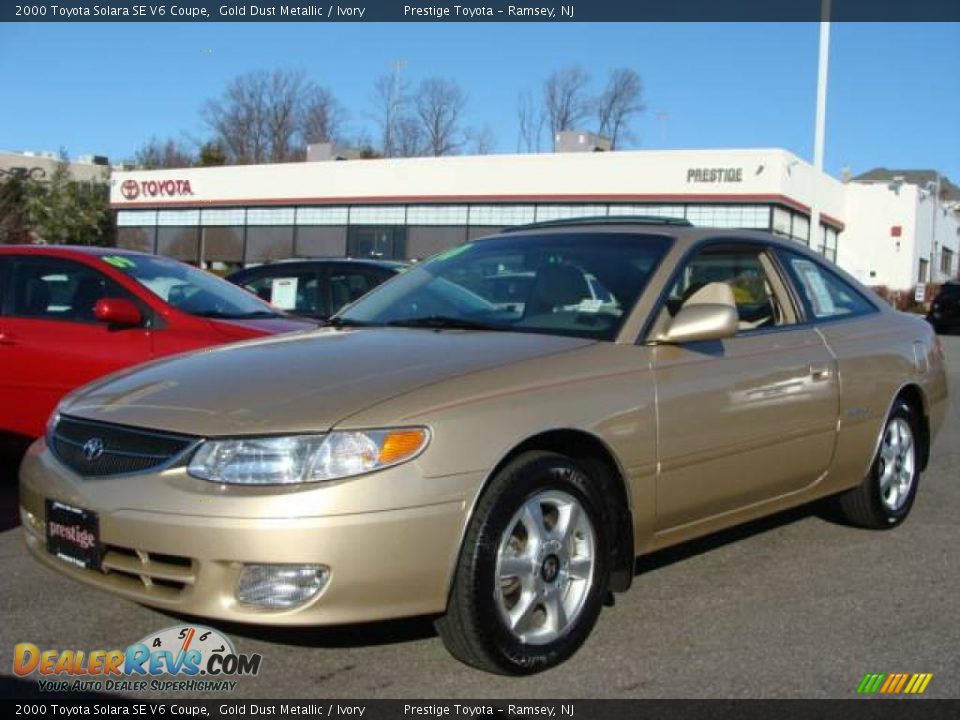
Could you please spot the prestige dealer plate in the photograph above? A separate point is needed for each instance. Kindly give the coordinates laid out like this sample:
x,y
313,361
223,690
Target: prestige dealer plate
x,y
73,534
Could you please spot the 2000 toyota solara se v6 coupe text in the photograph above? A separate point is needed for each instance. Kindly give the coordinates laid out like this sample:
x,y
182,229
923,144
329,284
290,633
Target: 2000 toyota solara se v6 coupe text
x,y
493,436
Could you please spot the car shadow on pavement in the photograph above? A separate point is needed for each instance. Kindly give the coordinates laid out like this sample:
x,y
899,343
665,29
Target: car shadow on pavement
x,y
821,509
386,632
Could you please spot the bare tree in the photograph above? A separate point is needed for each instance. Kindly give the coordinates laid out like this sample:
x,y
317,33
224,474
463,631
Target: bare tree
x,y
390,101
619,103
566,99
530,119
482,140
439,105
321,116
409,139
159,154
268,116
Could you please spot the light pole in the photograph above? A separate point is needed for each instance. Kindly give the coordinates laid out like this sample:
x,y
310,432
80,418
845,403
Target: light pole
x,y
821,121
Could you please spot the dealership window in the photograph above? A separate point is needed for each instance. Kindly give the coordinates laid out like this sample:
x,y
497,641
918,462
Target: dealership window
x,y
378,215
728,216
222,243
828,243
437,215
782,221
922,274
271,216
387,242
561,212
143,239
801,229
334,215
232,216
946,261
422,242
178,218
670,211
182,243
502,215
269,243
321,241
136,218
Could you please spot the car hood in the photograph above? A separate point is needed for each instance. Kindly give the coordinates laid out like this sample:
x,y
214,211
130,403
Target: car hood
x,y
305,382
254,327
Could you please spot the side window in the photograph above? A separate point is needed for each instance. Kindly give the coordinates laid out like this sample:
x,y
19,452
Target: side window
x,y
826,295
290,291
747,272
56,289
348,284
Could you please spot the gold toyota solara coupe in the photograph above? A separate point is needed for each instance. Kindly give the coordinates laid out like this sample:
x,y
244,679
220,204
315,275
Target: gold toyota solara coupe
x,y
493,436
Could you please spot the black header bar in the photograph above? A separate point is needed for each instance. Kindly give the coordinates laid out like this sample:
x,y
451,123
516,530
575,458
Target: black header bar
x,y
57,705
481,11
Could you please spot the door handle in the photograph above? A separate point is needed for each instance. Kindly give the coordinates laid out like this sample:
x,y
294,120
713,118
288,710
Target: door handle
x,y
7,339
820,372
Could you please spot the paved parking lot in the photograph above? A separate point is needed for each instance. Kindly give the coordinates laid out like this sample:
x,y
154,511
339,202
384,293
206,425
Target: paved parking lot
x,y
794,606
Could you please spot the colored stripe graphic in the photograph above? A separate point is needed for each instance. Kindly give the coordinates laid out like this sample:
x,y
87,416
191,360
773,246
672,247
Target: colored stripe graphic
x,y
894,684
870,683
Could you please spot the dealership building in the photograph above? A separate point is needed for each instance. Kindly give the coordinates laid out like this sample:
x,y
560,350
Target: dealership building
x,y
882,232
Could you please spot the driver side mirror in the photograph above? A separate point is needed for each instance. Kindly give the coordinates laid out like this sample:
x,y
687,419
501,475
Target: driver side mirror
x,y
699,323
118,312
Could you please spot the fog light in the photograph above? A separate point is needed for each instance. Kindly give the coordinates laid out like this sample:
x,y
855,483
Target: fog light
x,y
280,586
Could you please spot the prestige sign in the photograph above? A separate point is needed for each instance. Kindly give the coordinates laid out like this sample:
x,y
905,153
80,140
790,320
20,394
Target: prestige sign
x,y
715,175
134,189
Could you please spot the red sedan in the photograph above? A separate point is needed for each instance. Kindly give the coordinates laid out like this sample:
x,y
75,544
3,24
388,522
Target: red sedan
x,y
69,315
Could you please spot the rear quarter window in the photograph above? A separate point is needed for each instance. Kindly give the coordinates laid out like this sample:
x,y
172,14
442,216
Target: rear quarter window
x,y
826,295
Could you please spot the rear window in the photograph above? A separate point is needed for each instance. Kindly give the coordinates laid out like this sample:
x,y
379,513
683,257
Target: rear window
x,y
951,290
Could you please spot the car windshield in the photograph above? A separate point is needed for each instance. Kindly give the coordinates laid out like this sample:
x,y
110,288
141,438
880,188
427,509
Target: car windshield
x,y
190,290
575,284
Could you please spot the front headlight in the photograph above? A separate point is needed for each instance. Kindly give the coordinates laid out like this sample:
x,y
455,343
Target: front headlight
x,y
295,459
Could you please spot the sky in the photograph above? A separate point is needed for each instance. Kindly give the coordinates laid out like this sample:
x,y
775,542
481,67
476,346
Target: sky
x,y
893,99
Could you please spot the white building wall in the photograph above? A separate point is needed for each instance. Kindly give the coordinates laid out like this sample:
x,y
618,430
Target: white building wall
x,y
871,252
937,229
868,248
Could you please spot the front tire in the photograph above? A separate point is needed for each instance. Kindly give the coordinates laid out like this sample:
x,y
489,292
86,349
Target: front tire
x,y
884,498
533,569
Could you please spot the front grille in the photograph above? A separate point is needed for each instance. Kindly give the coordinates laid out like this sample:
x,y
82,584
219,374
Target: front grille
x,y
97,449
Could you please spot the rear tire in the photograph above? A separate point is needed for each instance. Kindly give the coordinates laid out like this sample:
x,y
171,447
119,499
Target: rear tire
x,y
533,570
884,498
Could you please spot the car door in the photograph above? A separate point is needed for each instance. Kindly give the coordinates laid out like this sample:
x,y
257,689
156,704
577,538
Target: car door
x,y
750,418
51,342
294,288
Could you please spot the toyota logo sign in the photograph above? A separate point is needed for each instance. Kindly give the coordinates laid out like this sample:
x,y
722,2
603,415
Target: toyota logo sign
x,y
130,189
147,189
92,449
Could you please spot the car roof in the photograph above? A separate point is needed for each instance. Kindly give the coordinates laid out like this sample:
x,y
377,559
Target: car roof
x,y
372,262
66,250
682,234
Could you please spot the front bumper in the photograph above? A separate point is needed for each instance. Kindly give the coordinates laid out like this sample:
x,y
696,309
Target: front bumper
x,y
185,553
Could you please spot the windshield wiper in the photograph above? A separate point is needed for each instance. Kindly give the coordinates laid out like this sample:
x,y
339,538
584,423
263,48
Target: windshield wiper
x,y
443,322
340,322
